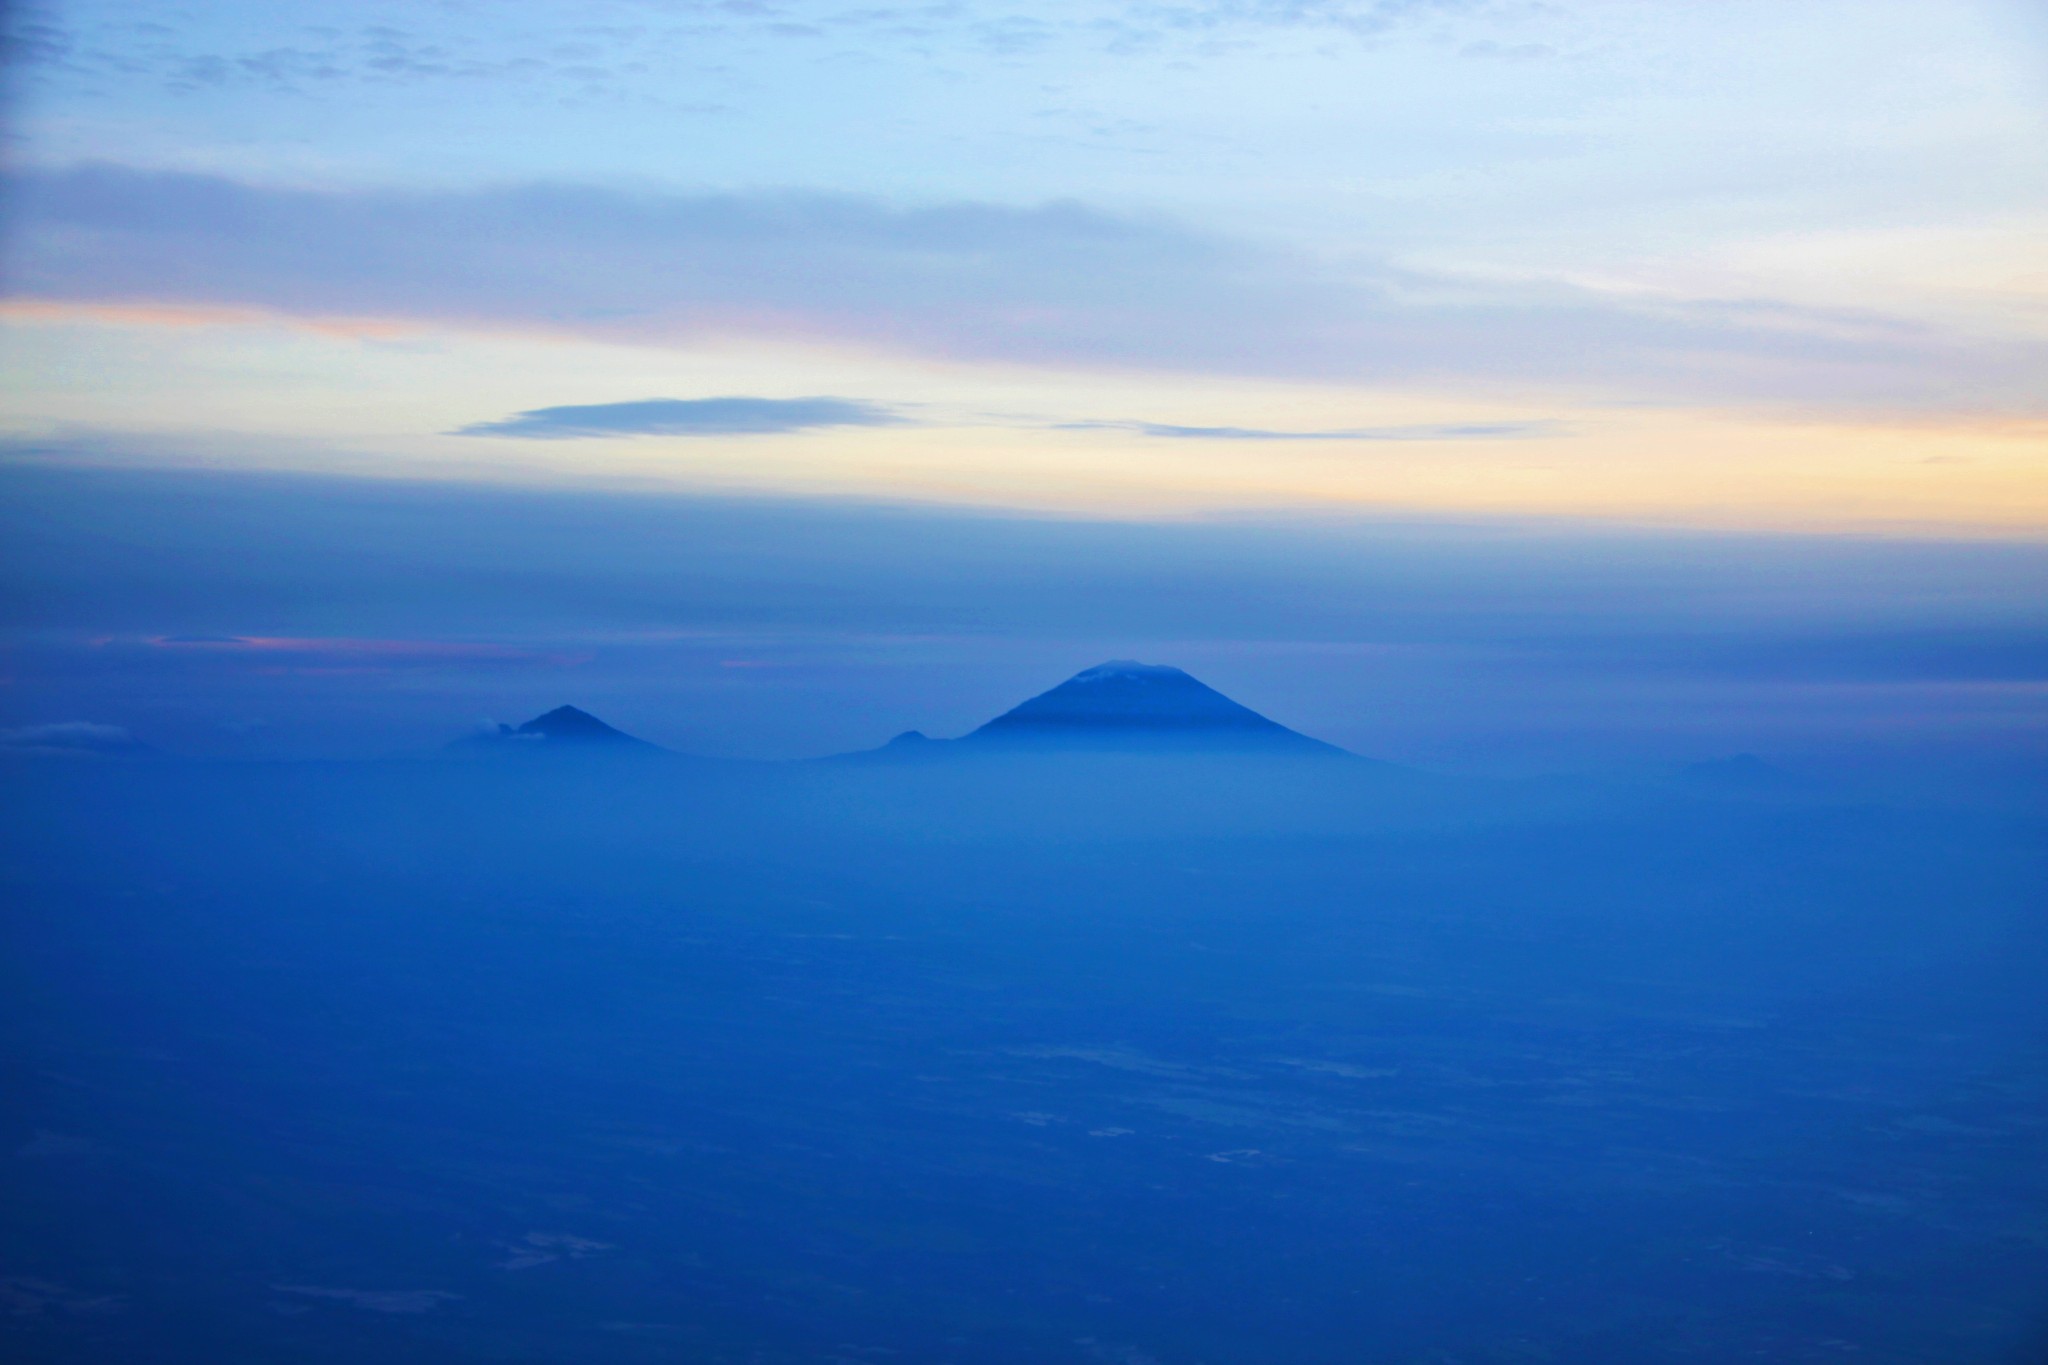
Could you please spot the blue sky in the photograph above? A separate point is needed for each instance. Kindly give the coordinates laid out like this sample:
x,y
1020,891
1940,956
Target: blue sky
x,y
1751,264
1748,276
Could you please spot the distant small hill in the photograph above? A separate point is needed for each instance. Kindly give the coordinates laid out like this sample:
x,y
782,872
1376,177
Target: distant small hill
x,y
566,728
1121,706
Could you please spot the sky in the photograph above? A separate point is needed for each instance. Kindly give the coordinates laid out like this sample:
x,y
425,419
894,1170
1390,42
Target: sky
x,y
1441,330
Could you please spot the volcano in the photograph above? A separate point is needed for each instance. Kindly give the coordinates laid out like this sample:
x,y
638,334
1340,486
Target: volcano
x,y
564,728
1124,706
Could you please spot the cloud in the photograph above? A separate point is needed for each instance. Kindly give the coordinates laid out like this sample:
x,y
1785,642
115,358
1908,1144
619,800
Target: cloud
x,y
759,416
1363,17
555,47
414,569
1058,283
1462,627
354,649
686,417
289,58
1472,431
69,739
1508,52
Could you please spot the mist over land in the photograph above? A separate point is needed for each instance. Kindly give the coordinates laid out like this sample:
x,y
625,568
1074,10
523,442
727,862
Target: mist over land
x,y
1125,1038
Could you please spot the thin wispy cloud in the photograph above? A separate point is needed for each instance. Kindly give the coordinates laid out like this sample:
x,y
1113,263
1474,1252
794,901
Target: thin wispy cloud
x,y
1441,431
685,417
420,650
542,45
69,739
736,416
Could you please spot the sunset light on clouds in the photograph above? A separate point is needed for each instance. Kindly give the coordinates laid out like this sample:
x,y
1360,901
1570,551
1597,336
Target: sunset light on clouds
x,y
1739,265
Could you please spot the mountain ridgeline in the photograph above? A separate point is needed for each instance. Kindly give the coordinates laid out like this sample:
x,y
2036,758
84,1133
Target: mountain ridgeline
x,y
1115,707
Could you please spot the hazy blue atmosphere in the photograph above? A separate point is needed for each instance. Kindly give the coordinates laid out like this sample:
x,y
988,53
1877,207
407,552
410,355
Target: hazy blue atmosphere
x,y
1109,1037
1121,682
225,614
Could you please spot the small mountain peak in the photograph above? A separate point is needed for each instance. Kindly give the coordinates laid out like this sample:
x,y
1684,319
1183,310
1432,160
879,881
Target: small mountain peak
x,y
564,727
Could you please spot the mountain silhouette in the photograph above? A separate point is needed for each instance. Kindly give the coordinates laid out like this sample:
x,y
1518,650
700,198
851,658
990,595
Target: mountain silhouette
x,y
1123,704
567,725
1119,706
1115,707
564,728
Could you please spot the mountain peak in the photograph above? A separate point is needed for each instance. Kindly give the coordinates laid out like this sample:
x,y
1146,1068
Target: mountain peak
x,y
1123,703
1130,669
570,724
564,728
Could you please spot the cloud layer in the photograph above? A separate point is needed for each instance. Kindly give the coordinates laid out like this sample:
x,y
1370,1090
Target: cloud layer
x,y
686,417
544,44
69,739
1437,431
368,610
1058,283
